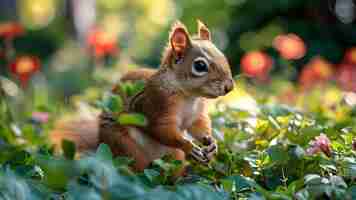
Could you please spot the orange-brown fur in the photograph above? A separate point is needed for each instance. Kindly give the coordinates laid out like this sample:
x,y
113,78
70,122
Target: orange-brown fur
x,y
173,101
83,132
138,74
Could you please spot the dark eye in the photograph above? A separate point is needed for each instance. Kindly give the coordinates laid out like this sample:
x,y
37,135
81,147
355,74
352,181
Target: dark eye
x,y
200,67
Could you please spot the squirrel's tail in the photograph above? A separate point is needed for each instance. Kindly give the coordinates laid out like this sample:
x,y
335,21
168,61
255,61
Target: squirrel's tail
x,y
83,132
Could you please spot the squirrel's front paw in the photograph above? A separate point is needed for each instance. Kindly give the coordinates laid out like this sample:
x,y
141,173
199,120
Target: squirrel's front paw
x,y
198,154
211,147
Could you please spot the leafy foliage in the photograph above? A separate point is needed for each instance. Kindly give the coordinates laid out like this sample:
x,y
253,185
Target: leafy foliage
x,y
115,103
262,155
303,150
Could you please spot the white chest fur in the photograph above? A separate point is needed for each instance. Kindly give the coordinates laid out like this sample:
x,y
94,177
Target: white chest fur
x,y
189,112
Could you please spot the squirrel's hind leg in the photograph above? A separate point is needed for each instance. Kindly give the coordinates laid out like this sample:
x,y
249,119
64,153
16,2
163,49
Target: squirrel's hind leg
x,y
122,144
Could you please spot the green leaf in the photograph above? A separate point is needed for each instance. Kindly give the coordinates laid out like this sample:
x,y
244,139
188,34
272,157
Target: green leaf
x,y
228,185
18,157
303,195
134,119
132,88
256,196
162,164
58,172
138,87
68,149
279,196
111,103
104,152
152,175
312,179
123,161
278,154
328,166
13,187
115,104
350,169
274,122
240,183
338,181
295,186
351,192
198,192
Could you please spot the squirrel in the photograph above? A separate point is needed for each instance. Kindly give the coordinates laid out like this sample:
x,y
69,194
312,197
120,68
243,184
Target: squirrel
x,y
174,100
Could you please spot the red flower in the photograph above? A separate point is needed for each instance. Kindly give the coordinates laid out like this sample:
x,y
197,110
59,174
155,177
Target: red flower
x,y
317,71
321,143
350,56
11,30
256,64
102,43
290,46
346,76
24,67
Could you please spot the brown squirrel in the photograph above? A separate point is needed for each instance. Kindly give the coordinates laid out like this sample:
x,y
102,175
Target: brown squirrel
x,y
174,100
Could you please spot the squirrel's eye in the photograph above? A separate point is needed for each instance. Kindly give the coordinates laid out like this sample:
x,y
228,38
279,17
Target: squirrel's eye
x,y
200,67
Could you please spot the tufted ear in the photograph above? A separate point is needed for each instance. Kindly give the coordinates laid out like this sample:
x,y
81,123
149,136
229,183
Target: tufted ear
x,y
203,31
179,39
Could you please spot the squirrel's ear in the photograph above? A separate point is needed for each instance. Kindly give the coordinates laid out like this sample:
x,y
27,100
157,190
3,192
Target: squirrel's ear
x,y
203,31
179,39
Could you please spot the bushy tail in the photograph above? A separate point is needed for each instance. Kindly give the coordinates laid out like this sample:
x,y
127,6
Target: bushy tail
x,y
83,132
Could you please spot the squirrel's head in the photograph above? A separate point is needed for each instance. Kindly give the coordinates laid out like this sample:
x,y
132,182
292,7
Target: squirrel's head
x,y
200,68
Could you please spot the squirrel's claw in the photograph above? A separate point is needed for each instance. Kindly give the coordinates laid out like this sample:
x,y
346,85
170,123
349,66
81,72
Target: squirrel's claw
x,y
210,150
211,146
204,155
198,155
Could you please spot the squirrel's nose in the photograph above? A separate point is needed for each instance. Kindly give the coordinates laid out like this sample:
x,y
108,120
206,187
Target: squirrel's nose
x,y
229,85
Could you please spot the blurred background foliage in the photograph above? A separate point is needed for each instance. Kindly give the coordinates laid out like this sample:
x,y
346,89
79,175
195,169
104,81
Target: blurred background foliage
x,y
141,26
51,50
287,131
